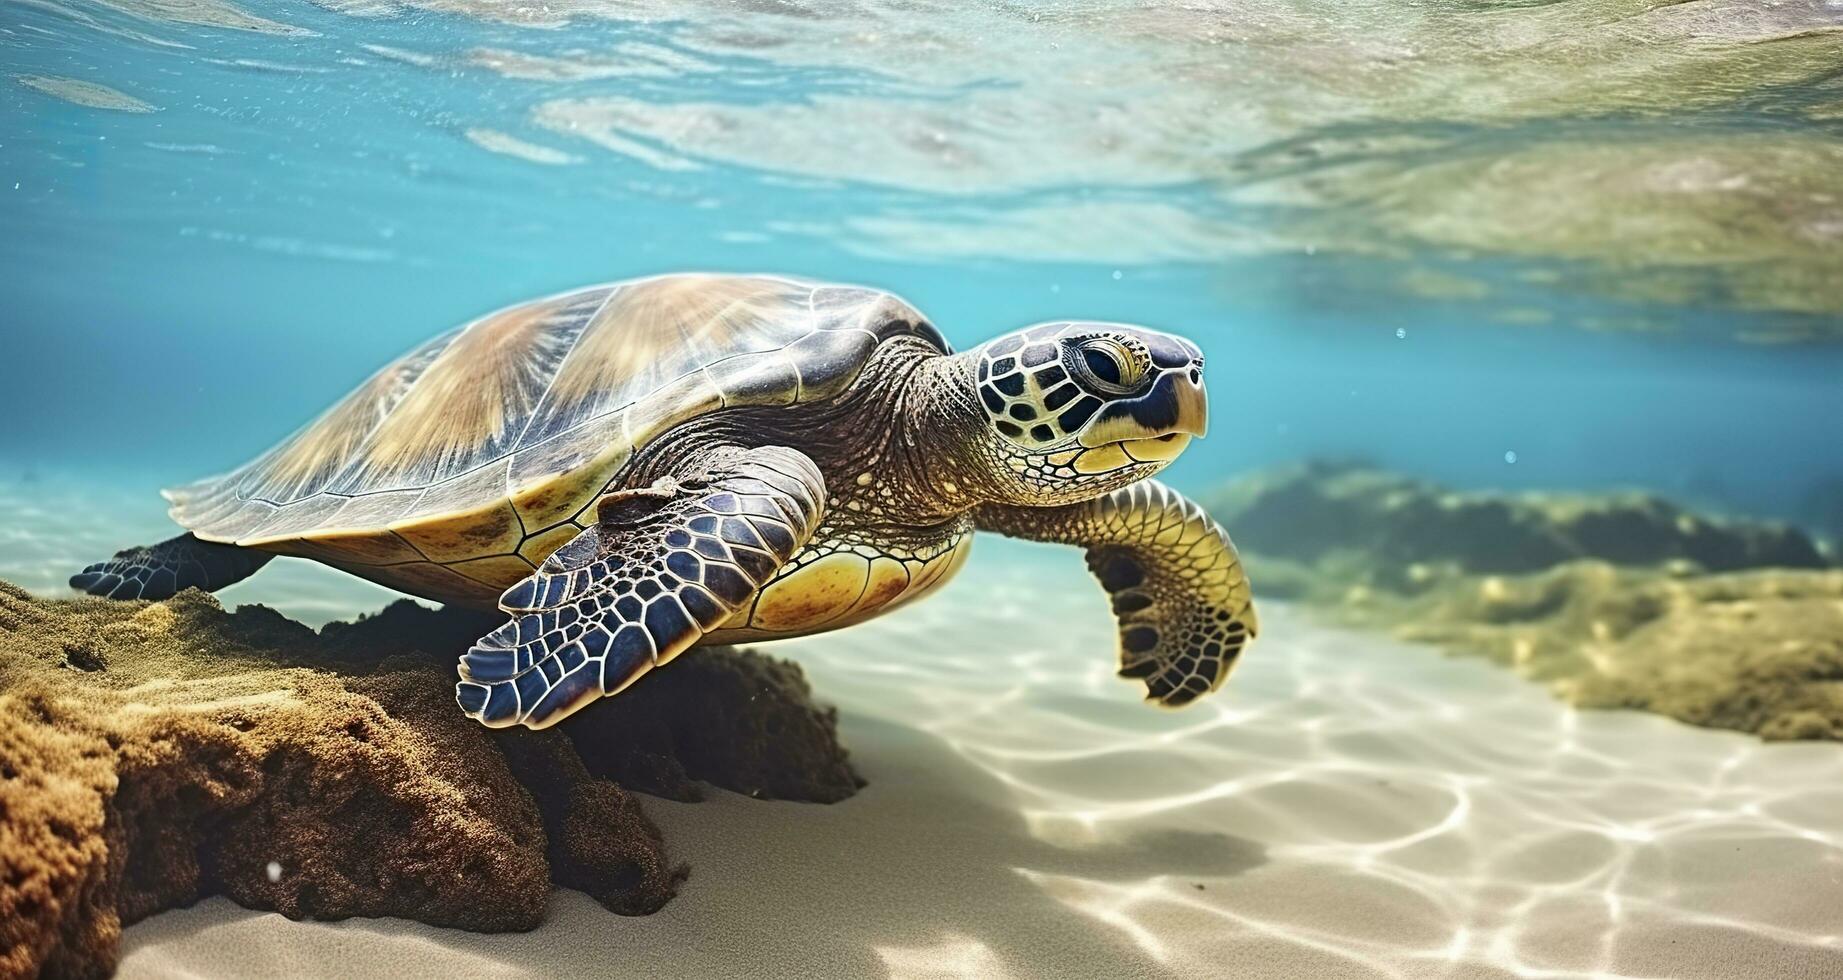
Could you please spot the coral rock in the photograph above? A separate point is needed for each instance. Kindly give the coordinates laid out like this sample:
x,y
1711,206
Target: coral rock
x,y
1384,524
154,754
779,745
1758,651
1614,601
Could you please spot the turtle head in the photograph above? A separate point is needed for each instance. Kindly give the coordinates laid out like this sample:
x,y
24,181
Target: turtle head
x,y
1080,409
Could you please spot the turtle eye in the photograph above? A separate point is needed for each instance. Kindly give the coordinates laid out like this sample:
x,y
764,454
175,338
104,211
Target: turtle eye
x,y
1107,365
1102,365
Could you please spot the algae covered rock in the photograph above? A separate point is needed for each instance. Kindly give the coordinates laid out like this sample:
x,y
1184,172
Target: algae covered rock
x,y
1758,651
1617,600
155,754
781,747
1382,525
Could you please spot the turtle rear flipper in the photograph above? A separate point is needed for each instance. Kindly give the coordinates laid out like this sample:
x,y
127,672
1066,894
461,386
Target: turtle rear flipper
x,y
160,571
661,567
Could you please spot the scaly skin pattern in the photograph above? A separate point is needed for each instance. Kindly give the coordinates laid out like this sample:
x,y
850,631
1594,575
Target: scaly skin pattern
x,y
1179,593
160,571
659,568
891,530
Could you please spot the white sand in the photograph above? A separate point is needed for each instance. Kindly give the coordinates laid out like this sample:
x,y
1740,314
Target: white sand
x,y
1348,807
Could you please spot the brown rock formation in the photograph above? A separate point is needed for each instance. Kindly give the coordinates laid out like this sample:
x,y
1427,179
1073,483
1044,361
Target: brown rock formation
x,y
1758,651
1614,600
154,754
1380,526
784,747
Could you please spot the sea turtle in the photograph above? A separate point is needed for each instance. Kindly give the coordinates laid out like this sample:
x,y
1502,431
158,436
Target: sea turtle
x,y
629,470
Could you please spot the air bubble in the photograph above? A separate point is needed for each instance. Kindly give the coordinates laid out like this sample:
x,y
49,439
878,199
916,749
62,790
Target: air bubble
x,y
275,871
1116,275
1401,333
1510,456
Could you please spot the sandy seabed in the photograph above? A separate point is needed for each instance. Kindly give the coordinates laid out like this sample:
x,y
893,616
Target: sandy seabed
x,y
1348,806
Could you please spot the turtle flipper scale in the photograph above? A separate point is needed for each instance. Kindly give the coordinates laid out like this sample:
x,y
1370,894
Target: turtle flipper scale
x,y
662,566
160,571
1179,594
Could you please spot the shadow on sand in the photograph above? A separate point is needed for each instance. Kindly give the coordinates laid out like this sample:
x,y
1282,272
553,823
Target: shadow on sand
x,y
930,870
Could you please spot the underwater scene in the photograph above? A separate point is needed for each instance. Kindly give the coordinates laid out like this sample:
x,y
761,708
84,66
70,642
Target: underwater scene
x,y
921,488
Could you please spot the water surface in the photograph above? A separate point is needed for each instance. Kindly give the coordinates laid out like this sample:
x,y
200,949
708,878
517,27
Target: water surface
x,y
1515,244
1605,235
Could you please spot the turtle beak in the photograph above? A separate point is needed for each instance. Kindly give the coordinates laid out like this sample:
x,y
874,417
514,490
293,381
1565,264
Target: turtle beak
x,y
1177,404
1192,404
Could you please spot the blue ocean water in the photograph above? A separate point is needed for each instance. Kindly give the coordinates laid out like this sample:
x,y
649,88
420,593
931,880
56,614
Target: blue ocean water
x,y
1369,236
1570,244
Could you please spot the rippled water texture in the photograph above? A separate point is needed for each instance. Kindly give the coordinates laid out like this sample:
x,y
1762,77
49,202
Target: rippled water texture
x,y
1520,243
1611,231
1659,155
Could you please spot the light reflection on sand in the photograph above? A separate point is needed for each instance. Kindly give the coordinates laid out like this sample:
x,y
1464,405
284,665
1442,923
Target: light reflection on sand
x,y
1348,806
1414,811
954,958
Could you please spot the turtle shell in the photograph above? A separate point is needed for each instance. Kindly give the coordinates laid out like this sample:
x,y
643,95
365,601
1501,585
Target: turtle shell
x,y
459,466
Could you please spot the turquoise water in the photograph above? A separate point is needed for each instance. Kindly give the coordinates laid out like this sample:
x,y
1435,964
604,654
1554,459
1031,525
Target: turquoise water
x,y
1499,243
1605,238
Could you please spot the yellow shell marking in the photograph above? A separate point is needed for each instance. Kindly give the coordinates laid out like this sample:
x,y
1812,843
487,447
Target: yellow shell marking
x,y
936,571
812,594
887,580
539,546
363,547
840,589
498,572
559,488
490,530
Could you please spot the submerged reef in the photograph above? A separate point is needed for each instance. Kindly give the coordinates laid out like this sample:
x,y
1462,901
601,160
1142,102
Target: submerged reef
x,y
1617,600
153,754
1391,530
1759,651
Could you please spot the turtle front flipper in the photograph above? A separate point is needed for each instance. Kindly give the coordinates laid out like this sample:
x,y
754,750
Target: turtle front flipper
x,y
161,571
1179,593
661,567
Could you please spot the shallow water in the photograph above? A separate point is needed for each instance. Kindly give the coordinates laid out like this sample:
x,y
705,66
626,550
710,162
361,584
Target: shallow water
x,y
1347,807
1568,245
1604,236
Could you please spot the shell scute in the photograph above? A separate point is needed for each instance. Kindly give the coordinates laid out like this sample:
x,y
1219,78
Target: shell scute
x,y
828,360
466,490
676,401
493,569
489,529
541,405
768,378
372,510
289,522
549,483
361,547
